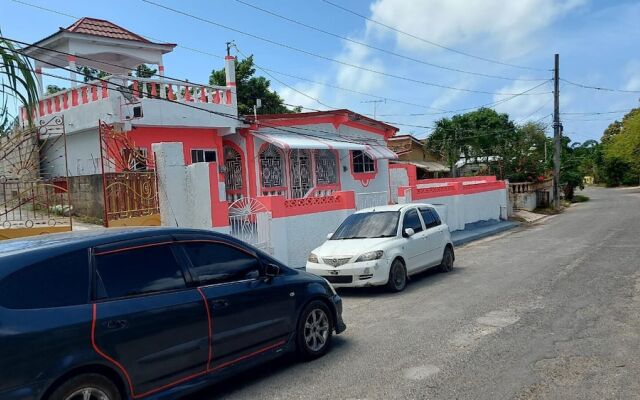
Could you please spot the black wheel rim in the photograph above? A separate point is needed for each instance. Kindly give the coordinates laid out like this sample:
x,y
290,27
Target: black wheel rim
x,y
398,277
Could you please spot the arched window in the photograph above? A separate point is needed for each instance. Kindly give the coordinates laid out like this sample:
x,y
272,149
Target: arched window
x,y
301,176
326,167
233,164
271,167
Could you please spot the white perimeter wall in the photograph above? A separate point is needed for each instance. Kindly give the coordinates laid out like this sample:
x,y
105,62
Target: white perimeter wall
x,y
466,209
293,238
83,154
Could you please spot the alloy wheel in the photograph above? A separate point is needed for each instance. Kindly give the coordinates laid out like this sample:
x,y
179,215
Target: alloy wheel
x,y
88,393
316,330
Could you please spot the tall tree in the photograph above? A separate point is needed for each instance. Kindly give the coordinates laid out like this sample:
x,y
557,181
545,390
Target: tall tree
x,y
17,82
250,88
91,74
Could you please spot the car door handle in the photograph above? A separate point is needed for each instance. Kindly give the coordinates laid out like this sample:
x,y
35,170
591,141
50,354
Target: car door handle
x,y
115,324
218,304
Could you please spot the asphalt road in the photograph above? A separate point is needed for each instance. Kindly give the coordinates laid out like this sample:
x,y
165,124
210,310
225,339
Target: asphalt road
x,y
545,312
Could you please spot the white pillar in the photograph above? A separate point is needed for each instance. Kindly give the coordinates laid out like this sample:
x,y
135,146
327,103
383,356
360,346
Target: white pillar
x,y
230,72
161,73
39,79
72,66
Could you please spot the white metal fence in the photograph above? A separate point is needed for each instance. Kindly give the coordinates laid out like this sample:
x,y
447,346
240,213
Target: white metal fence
x,y
250,222
372,199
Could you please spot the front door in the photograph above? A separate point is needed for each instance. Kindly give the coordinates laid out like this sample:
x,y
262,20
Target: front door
x,y
415,246
145,317
233,176
250,314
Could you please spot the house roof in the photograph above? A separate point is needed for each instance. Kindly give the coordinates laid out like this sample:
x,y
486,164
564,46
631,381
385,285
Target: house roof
x,y
352,116
103,28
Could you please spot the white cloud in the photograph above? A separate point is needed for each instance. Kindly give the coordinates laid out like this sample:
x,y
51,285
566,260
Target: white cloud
x,y
294,95
530,107
633,75
508,25
358,79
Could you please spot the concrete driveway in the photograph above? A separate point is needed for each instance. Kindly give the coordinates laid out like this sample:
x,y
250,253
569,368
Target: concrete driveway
x,y
550,311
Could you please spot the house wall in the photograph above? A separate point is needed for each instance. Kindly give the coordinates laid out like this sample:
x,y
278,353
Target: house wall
x,y
83,154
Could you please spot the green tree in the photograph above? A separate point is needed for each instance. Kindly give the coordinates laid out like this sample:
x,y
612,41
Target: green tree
x,y
17,81
54,89
622,151
91,74
250,88
483,134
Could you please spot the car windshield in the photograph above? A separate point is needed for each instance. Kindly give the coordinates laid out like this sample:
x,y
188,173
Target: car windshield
x,y
368,225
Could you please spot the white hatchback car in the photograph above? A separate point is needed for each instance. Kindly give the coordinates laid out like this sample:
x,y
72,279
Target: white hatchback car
x,y
383,246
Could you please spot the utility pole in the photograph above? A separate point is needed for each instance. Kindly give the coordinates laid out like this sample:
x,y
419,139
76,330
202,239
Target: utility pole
x,y
557,133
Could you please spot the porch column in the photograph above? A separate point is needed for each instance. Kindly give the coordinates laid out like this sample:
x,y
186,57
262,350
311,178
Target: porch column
x,y
39,79
72,66
161,74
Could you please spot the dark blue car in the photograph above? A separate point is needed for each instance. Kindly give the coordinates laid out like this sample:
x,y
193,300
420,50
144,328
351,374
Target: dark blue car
x,y
149,313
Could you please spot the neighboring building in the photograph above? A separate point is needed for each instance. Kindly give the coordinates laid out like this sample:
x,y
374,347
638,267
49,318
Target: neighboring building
x,y
412,151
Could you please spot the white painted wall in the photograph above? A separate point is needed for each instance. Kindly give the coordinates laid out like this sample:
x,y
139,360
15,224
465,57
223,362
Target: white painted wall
x,y
83,154
293,238
398,177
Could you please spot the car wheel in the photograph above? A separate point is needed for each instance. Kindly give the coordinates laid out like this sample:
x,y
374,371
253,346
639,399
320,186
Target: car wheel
x,y
315,330
397,276
87,387
447,260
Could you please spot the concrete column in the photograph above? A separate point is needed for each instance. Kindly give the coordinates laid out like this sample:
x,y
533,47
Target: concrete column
x,y
172,187
230,72
161,74
39,79
72,66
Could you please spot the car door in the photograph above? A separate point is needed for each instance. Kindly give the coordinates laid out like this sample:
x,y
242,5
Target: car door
x,y
414,245
146,320
434,235
250,313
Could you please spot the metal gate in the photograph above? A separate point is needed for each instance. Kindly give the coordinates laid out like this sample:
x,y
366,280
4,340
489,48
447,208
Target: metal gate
x,y
250,222
34,195
129,182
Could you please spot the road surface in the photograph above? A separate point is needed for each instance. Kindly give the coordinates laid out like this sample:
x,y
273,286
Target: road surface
x,y
545,312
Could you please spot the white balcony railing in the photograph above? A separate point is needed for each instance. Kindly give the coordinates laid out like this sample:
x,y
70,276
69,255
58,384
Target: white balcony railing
x,y
139,88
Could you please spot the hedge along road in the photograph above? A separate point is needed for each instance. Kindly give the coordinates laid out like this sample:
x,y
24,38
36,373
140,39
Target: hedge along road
x,y
549,311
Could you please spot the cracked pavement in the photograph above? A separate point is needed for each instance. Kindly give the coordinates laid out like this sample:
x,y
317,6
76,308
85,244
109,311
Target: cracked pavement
x,y
544,312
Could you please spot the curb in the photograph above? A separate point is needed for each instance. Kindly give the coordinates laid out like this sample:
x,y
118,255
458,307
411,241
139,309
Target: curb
x,y
485,234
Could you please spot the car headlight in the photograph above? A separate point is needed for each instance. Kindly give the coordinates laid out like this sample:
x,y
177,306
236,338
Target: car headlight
x,y
372,255
313,259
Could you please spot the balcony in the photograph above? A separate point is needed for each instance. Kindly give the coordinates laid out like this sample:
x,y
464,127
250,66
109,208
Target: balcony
x,y
142,101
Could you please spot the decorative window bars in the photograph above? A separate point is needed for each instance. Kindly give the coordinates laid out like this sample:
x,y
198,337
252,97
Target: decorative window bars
x,y
326,167
271,167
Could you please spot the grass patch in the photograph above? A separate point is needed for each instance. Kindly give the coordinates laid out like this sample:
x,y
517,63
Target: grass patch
x,y
580,198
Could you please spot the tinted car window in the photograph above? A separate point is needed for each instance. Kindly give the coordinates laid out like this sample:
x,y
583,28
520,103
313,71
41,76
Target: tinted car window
x,y
220,263
55,282
429,217
368,225
411,220
138,271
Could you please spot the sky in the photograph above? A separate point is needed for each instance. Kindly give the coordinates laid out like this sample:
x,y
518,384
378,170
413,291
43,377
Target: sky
x,y
409,60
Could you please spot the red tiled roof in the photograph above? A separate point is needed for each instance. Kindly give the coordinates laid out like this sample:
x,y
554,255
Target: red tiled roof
x,y
103,28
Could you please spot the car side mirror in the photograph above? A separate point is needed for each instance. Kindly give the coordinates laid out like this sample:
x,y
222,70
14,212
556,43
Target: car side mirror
x,y
271,271
409,232
329,235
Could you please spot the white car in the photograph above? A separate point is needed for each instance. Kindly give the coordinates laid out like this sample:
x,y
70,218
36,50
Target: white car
x,y
383,246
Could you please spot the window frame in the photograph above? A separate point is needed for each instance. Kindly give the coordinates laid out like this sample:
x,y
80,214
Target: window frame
x,y
134,245
374,164
189,265
204,150
419,219
434,214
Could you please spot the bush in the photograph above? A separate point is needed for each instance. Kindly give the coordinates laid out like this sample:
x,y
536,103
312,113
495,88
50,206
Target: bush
x,y
580,198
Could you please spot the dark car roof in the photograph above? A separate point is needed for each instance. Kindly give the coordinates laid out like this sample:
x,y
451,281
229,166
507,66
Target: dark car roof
x,y
89,238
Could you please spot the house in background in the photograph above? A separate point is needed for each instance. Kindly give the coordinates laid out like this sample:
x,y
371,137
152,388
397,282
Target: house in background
x,y
413,152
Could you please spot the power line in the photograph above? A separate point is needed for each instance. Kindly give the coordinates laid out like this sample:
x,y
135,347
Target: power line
x,y
597,112
431,42
604,89
345,38
310,53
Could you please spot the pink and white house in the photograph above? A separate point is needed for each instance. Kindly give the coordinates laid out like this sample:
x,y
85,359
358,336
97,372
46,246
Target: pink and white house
x,y
281,182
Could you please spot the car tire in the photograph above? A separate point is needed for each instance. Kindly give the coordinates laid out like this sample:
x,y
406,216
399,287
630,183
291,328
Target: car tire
x,y
315,330
397,276
75,388
447,260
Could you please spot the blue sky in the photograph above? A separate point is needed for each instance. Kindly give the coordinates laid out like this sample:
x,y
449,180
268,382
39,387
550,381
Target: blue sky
x,y
598,42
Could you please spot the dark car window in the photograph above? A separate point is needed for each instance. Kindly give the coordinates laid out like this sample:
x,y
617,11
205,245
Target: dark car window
x,y
411,220
219,263
55,282
368,225
138,271
429,217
